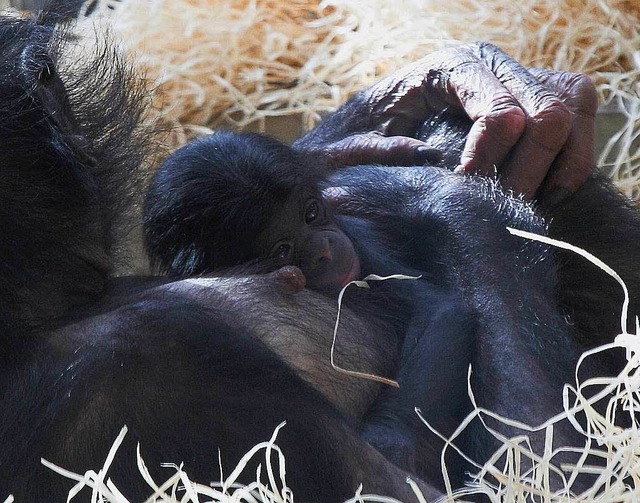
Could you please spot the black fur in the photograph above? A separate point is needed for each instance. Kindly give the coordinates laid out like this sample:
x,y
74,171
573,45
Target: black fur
x,y
413,221
199,365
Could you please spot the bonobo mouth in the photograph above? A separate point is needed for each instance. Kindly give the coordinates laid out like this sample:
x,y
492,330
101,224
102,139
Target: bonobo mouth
x,y
352,274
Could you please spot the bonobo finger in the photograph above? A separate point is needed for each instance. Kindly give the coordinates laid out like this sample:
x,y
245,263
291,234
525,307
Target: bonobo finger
x,y
576,160
459,79
372,148
548,123
341,200
455,79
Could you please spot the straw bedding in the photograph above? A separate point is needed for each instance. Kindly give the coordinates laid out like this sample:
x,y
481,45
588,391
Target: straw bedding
x,y
241,62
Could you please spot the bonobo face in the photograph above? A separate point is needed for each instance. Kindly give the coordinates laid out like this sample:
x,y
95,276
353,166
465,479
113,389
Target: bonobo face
x,y
303,233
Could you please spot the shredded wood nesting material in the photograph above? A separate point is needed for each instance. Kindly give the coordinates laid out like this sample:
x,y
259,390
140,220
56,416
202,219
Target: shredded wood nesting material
x,y
277,55
270,486
241,61
233,59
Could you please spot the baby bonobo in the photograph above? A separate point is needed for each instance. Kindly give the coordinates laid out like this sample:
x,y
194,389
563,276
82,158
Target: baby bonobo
x,y
234,199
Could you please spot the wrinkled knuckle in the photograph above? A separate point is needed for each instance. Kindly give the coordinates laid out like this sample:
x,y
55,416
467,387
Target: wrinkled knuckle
x,y
583,93
401,143
552,124
387,147
506,122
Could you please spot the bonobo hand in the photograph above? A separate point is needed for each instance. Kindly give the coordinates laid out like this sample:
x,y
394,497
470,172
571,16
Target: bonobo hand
x,y
533,125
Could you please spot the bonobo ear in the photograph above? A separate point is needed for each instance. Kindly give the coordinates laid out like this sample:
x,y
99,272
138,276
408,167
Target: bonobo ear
x,y
37,66
47,89
44,84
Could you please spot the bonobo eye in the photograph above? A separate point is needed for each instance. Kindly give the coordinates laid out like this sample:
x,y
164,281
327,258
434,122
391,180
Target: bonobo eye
x,y
312,212
283,251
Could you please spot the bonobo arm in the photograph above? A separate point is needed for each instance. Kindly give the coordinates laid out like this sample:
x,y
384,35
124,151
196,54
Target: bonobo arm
x,y
522,120
586,210
432,376
599,219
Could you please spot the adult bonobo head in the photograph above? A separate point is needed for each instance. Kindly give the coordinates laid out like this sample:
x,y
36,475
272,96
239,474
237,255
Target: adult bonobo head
x,y
64,181
231,199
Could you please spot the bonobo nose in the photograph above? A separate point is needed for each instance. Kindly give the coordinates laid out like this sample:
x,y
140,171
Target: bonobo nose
x,y
321,252
326,249
321,249
328,260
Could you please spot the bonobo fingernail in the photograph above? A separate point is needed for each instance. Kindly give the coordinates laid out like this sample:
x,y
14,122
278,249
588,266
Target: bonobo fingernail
x,y
427,155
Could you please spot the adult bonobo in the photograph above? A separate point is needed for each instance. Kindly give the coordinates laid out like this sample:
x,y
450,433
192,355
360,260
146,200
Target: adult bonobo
x,y
181,362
